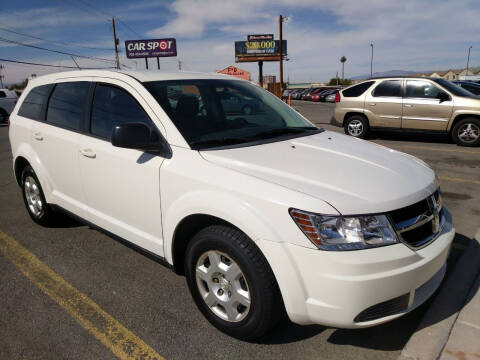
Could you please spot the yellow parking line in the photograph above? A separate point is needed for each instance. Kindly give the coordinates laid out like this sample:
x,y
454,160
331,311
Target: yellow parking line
x,y
435,149
470,181
121,341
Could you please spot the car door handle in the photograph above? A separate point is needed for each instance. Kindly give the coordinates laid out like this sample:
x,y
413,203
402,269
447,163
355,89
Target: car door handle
x,y
88,153
407,105
372,104
37,136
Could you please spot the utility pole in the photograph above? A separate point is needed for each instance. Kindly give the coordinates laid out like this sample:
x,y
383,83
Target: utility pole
x,y
158,63
280,47
371,63
468,59
115,43
260,73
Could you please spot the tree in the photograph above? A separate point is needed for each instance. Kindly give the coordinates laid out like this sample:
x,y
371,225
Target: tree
x,y
19,86
344,82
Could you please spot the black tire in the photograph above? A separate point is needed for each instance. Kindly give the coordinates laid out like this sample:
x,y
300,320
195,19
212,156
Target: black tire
x,y
266,305
3,117
356,126
466,132
45,216
247,110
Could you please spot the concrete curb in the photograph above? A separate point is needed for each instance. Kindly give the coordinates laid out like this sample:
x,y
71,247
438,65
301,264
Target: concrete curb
x,y
428,341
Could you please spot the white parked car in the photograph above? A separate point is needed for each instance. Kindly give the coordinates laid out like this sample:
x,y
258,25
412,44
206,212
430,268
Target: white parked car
x,y
8,98
264,213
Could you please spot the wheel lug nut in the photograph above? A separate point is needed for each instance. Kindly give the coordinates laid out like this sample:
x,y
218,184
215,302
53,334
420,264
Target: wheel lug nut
x,y
215,280
220,292
229,293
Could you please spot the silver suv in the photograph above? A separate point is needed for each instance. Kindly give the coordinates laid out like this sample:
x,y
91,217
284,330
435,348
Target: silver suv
x,y
425,104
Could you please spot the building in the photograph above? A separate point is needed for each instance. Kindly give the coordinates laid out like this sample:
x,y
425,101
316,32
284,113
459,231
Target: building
x,y
269,79
235,71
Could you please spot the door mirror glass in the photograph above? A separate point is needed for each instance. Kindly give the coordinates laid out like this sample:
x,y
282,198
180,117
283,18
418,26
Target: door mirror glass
x,y
137,136
443,96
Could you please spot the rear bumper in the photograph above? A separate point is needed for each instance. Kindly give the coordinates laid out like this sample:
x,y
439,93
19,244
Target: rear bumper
x,y
333,121
357,289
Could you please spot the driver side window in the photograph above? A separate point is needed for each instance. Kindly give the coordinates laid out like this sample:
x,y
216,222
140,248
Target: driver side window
x,y
422,89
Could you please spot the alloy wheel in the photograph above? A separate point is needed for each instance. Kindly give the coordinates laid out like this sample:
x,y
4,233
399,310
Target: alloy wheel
x,y
32,194
469,132
355,127
223,286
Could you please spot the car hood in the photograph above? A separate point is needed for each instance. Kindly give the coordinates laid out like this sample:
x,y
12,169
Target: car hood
x,y
352,175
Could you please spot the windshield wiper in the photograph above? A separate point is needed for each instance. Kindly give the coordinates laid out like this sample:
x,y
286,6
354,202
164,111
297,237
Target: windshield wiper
x,y
285,131
203,144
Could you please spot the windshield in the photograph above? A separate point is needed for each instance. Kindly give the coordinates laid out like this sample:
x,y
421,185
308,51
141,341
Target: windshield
x,y
219,113
454,89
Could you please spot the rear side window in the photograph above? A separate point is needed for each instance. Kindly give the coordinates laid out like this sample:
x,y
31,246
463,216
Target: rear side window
x,y
32,106
389,88
67,104
112,106
357,90
2,94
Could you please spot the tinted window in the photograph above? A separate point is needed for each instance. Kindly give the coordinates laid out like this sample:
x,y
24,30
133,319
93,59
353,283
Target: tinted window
x,y
67,104
389,88
2,94
453,88
422,89
33,104
357,90
473,89
112,106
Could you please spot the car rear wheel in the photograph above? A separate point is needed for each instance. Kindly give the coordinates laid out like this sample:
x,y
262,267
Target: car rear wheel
x,y
34,199
356,126
466,132
232,283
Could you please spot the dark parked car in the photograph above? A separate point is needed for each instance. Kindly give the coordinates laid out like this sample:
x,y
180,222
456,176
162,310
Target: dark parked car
x,y
234,103
471,86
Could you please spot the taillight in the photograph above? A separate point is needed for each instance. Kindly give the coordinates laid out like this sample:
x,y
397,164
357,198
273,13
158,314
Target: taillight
x,y
337,97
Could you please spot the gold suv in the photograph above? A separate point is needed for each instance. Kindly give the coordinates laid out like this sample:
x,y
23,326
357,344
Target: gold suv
x,y
409,103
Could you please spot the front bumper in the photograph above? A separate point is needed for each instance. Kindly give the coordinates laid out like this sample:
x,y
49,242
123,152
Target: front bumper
x,y
336,288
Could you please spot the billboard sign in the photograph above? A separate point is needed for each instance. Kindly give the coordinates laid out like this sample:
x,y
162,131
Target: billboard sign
x,y
259,50
150,48
260,37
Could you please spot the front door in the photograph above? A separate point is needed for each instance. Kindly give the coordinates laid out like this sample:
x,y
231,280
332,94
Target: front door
x,y
383,105
422,109
122,186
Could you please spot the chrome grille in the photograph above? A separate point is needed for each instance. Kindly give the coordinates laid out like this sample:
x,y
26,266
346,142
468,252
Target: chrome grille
x,y
420,223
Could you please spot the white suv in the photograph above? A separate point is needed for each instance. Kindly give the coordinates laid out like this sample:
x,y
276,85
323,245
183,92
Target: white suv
x,y
263,212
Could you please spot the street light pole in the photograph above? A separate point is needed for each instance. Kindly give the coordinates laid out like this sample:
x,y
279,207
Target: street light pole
x,y
342,60
468,59
371,63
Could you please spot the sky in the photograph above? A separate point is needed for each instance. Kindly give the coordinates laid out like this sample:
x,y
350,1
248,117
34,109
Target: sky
x,y
417,35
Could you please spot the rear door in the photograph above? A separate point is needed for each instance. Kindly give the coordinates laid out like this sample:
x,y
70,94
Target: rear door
x,y
383,104
422,109
56,142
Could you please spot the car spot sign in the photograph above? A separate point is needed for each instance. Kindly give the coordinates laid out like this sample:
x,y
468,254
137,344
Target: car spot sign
x,y
150,48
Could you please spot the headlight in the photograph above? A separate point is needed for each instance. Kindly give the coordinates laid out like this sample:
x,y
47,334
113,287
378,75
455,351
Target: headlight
x,y
339,233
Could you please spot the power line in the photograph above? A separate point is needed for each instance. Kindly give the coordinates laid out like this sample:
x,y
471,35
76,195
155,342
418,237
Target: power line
x,y
129,28
55,66
55,51
53,41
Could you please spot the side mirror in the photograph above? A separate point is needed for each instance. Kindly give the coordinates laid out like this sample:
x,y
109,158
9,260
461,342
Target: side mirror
x,y
137,136
443,96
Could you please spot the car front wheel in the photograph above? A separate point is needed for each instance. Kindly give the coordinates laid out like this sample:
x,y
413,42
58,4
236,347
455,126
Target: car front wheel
x,y
232,283
466,132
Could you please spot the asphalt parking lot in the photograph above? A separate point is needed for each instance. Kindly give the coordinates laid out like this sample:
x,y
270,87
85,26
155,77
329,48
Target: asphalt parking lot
x,y
154,304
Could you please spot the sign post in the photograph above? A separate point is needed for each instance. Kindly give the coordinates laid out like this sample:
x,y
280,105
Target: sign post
x,y
151,48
